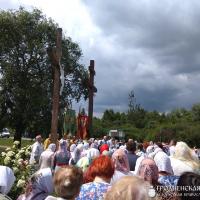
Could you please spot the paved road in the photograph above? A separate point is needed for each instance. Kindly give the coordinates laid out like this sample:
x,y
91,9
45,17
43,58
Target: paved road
x,y
23,138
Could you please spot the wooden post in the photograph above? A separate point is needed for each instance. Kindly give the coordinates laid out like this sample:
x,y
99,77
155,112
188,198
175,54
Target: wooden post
x,y
92,89
55,56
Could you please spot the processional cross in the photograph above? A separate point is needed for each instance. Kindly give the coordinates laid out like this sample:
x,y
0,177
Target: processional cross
x,y
55,54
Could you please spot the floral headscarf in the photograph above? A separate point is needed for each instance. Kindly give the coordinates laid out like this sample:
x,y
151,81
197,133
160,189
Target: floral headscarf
x,y
120,160
148,170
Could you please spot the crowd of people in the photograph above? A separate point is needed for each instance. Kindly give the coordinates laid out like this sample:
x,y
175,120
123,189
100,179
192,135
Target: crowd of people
x,y
109,169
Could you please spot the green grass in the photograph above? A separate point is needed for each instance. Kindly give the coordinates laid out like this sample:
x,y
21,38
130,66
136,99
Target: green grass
x,y
8,142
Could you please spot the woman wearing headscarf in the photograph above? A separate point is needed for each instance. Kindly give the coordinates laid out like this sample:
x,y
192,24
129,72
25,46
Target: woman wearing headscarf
x,y
6,181
121,163
184,160
85,149
103,147
46,158
72,149
39,186
165,171
85,161
92,153
76,154
149,171
62,156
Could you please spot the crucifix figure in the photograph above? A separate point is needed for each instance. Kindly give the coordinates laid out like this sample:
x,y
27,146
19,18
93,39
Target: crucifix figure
x,y
55,54
92,89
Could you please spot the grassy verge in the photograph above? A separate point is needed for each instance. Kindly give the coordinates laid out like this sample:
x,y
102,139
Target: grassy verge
x,y
8,142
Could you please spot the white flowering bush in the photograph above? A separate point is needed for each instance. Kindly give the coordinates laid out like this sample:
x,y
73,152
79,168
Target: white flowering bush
x,y
18,160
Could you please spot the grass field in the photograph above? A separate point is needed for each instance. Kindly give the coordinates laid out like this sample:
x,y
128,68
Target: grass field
x,y
8,142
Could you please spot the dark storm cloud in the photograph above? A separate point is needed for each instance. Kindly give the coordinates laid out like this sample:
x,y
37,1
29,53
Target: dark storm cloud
x,y
156,52
149,46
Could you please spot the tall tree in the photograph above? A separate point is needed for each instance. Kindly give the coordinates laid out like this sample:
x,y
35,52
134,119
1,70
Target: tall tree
x,y
136,114
26,73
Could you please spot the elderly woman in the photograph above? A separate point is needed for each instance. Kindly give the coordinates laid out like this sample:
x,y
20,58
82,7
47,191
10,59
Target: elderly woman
x,y
184,160
67,183
39,186
121,163
98,176
129,187
46,158
62,156
75,154
149,171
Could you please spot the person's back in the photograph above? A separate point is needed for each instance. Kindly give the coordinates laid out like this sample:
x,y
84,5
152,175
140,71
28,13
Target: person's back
x,y
62,156
39,186
46,158
184,160
132,157
6,181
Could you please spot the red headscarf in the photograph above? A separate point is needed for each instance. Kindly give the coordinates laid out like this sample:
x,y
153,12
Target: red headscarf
x,y
103,148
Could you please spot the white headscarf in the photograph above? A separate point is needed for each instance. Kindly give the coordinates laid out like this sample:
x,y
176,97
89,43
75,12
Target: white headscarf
x,y
52,147
72,147
41,185
185,154
7,179
92,153
45,180
163,162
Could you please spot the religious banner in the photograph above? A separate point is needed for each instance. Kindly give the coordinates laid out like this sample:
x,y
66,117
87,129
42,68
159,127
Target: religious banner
x,y
82,125
69,123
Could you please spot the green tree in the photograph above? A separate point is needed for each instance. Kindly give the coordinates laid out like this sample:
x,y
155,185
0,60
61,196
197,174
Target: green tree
x,y
136,114
196,112
26,72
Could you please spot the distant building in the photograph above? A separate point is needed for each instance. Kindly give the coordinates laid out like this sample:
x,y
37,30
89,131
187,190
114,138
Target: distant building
x,y
116,134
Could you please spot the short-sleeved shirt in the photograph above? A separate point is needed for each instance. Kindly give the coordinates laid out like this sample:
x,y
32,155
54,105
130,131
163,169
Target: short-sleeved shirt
x,y
93,191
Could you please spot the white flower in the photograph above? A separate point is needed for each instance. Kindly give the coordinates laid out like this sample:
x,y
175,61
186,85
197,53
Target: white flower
x,y
16,142
15,169
21,152
17,156
20,161
8,149
21,183
10,153
3,154
27,153
29,148
7,160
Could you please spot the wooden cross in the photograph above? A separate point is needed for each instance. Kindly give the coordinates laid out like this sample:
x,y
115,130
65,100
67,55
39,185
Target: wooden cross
x,y
55,54
92,89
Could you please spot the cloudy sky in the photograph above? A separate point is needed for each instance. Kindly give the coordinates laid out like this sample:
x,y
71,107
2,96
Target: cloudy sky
x,y
149,46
